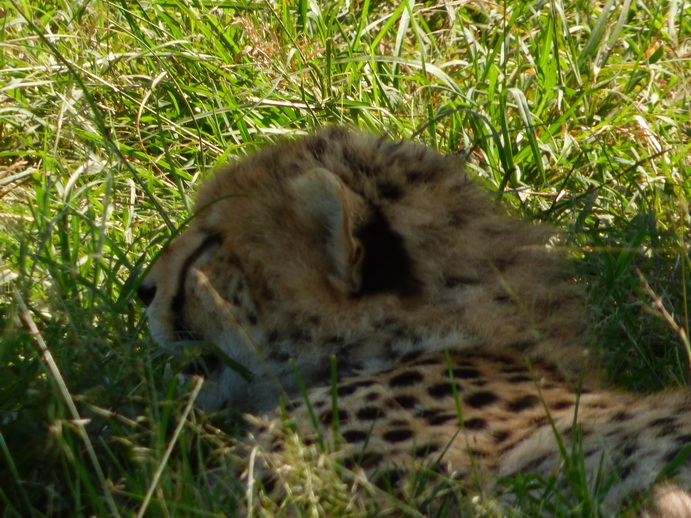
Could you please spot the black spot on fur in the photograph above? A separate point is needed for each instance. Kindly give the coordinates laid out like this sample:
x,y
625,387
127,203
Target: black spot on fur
x,y
390,191
263,292
389,480
370,459
406,379
398,435
466,372
629,449
475,424
550,368
327,416
406,401
337,133
440,419
368,413
682,409
387,267
477,453
591,452
362,383
317,146
513,369
535,464
424,451
682,442
670,456
442,390
354,436
667,425
347,390
426,413
684,439
293,405
481,399
523,403
521,345
334,341
357,162
349,462
435,416
409,357
415,175
621,416
503,263
614,432
501,435
520,378
502,358
569,430
393,147
561,405
459,217
314,320
278,355
626,470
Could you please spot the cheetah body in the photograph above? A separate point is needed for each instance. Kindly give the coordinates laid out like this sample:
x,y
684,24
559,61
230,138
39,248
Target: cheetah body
x,y
428,327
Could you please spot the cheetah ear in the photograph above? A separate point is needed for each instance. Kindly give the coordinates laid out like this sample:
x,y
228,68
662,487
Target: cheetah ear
x,y
326,207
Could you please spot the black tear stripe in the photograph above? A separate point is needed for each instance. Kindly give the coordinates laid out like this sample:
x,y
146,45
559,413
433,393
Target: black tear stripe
x,y
387,267
178,304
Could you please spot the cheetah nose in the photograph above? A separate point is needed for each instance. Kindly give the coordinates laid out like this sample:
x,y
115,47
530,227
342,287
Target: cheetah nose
x,y
146,293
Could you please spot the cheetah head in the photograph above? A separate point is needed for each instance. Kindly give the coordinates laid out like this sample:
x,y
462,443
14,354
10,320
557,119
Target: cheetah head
x,y
334,245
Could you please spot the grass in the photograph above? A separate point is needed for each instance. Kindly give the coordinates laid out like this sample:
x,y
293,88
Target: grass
x,y
111,113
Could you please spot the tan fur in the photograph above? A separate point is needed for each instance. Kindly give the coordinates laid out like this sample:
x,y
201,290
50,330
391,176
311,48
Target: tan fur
x,y
387,257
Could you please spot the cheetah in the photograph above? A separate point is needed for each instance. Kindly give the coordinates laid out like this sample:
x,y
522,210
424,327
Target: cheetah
x,y
425,325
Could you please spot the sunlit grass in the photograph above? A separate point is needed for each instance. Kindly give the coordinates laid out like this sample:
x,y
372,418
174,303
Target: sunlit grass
x,y
112,113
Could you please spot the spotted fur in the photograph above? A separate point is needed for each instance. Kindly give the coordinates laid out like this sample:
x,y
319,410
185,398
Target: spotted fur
x,y
476,418
455,331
